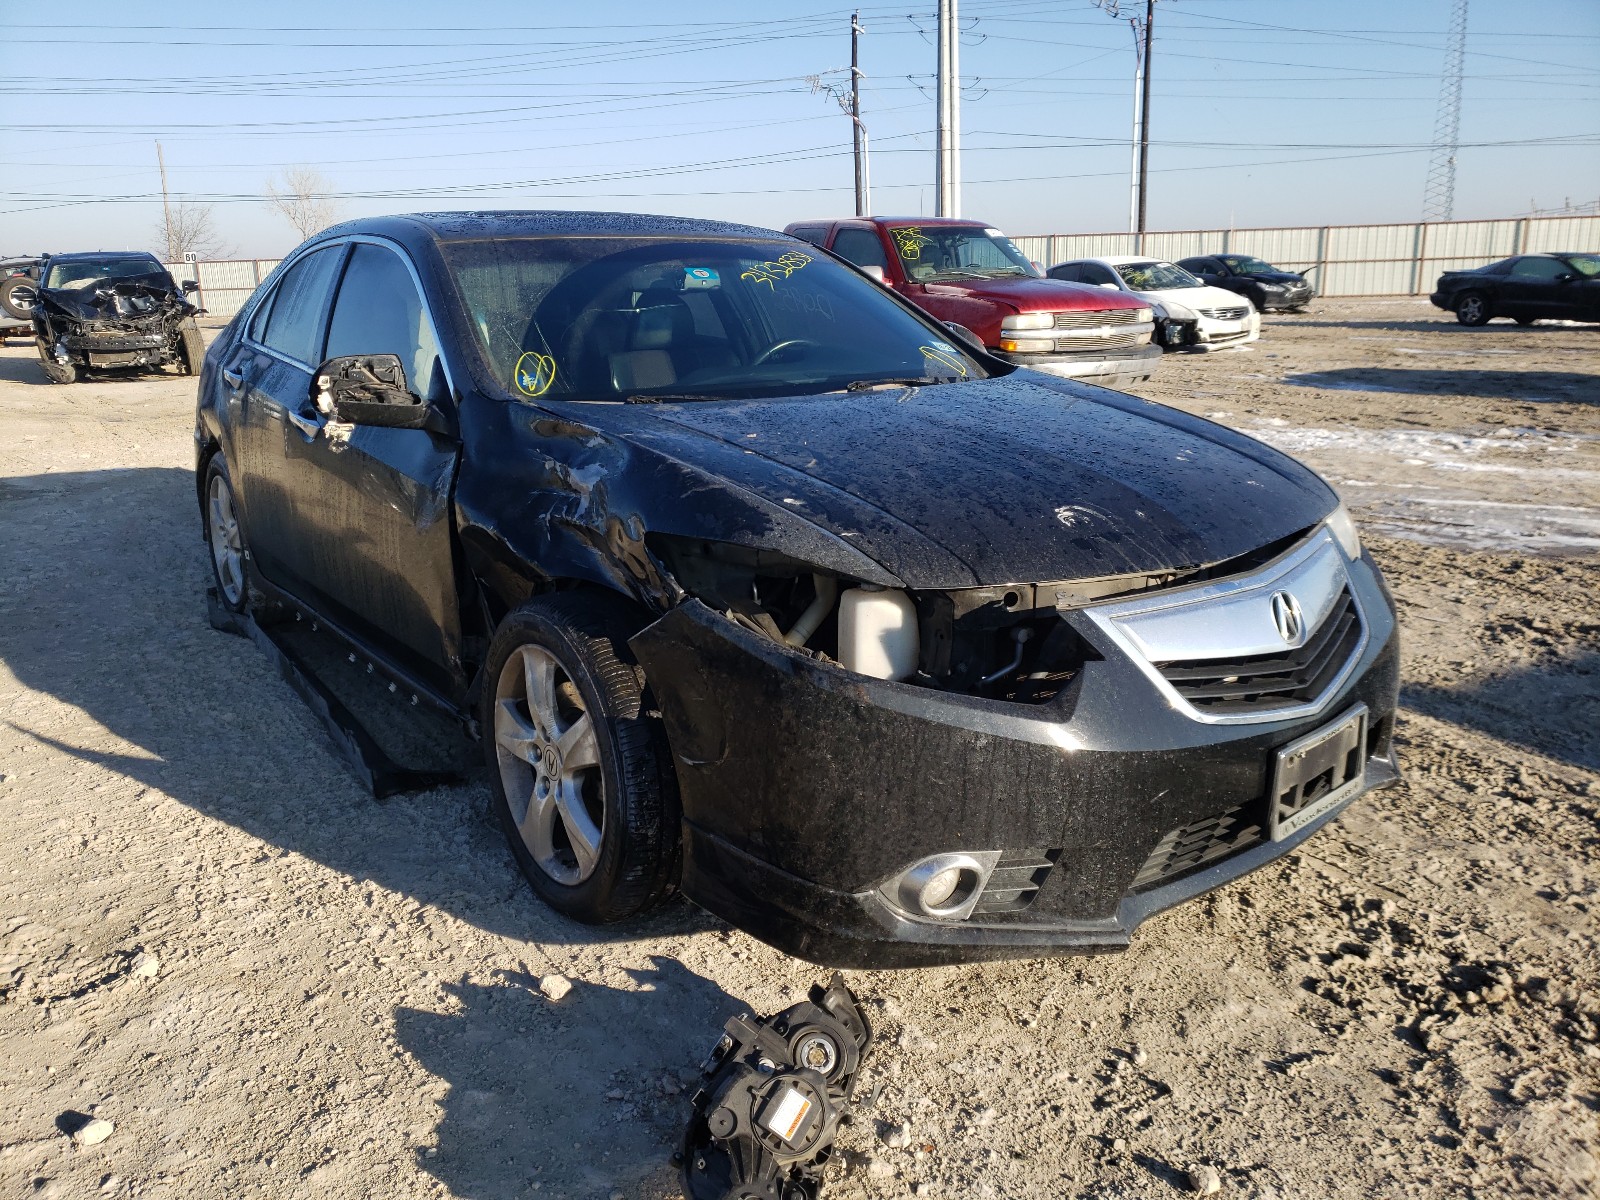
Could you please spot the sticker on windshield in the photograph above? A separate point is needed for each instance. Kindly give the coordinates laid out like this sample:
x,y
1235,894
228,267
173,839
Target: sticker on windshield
x,y
910,240
945,356
534,374
697,279
784,266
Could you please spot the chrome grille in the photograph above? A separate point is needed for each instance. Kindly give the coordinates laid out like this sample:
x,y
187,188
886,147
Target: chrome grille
x,y
1225,314
1097,317
1190,847
1263,682
1120,340
1016,880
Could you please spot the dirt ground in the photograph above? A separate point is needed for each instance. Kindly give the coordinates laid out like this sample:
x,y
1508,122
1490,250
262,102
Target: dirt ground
x,y
273,985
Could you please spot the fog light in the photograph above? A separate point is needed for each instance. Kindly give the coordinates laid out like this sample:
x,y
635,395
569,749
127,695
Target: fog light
x,y
944,887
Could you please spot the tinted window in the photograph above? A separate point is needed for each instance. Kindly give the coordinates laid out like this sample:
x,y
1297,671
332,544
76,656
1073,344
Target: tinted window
x,y
1503,267
1539,268
378,311
811,233
862,247
1070,272
607,318
294,325
1095,273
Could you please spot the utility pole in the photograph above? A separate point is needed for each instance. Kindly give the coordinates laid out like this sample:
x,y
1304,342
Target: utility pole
x,y
948,163
1144,125
166,206
1138,126
1439,196
863,182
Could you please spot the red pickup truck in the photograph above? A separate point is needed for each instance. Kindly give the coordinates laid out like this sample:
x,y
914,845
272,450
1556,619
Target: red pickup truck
x,y
970,274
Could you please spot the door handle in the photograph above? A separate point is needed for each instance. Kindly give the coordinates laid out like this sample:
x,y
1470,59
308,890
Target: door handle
x,y
310,426
234,379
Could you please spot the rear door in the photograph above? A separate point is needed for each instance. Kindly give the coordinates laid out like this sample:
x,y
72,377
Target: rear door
x,y
268,378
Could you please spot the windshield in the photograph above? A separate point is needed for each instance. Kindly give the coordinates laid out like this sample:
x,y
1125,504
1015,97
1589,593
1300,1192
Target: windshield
x,y
1585,264
935,252
98,270
1242,265
615,318
1156,276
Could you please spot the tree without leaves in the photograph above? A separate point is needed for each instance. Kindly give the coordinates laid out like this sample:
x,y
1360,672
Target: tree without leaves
x,y
187,229
302,199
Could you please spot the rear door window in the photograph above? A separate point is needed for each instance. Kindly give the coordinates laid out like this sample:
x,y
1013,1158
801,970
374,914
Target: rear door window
x,y
862,247
294,322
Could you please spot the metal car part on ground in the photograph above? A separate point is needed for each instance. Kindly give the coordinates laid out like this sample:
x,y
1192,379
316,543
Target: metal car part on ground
x,y
1264,285
1525,288
884,649
971,275
112,311
771,1099
1189,315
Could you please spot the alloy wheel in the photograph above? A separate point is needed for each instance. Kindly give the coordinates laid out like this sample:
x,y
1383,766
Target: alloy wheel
x,y
227,547
549,758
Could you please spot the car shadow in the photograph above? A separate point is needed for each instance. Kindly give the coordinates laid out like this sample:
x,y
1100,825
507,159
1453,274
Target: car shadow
x,y
1444,323
582,1096
1551,708
1567,387
22,370
102,606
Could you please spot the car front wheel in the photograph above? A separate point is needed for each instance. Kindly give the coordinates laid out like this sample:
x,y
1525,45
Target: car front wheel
x,y
580,770
56,370
1472,309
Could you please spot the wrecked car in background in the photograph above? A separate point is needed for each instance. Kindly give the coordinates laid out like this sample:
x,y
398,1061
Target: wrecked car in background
x,y
104,311
756,584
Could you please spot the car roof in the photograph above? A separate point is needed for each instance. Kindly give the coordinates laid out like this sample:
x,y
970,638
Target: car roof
x,y
965,221
461,226
1116,260
90,255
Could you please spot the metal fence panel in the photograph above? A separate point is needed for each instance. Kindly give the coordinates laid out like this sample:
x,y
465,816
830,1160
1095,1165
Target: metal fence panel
x,y
224,285
1346,260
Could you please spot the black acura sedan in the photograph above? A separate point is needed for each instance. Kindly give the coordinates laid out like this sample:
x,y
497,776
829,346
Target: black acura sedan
x,y
758,582
1524,288
1267,287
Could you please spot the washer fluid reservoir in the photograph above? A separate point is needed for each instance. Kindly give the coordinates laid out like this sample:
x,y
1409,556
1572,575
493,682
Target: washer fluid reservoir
x,y
878,632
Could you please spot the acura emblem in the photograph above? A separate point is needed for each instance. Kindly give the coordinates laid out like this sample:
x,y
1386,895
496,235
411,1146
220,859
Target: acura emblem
x,y
1287,617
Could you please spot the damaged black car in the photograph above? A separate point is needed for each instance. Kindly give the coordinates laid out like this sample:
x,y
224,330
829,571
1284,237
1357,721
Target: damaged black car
x,y
757,582
109,311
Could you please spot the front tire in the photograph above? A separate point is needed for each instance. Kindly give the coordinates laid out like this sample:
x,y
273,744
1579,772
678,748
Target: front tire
x,y
55,370
581,774
191,348
1472,308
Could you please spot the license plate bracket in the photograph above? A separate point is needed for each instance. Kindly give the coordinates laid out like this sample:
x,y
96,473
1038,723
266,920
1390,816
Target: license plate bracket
x,y
1318,772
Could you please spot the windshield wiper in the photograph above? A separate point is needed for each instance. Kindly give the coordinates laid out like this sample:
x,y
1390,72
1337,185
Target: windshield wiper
x,y
866,385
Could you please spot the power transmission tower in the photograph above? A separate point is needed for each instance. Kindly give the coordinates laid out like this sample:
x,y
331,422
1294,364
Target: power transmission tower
x,y
1439,197
948,162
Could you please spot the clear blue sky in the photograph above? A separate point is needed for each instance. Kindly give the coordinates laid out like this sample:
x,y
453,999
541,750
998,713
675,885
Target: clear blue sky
x,y
1265,112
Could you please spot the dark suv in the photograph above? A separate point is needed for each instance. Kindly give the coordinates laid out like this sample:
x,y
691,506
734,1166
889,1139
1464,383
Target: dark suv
x,y
104,310
755,582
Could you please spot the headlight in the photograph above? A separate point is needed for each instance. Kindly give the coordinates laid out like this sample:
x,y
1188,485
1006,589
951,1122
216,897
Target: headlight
x,y
1144,314
1042,320
1343,528
1177,312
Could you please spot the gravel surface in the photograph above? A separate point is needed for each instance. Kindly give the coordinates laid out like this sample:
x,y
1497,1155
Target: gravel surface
x,y
227,971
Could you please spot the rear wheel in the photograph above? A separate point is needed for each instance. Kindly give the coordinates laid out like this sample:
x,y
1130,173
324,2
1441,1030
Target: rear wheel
x,y
224,537
58,370
1472,308
582,780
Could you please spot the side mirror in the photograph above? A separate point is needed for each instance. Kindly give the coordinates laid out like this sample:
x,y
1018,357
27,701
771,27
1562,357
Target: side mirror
x,y
369,389
190,285
966,337
1565,277
875,273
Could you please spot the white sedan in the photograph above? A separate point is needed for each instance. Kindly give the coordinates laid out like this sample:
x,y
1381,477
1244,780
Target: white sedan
x,y
1190,315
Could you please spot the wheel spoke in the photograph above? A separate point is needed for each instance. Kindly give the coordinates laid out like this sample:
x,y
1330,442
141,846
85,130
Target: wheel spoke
x,y
578,745
514,733
582,832
538,824
539,677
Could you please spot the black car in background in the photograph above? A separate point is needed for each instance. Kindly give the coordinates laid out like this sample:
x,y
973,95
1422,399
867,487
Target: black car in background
x,y
758,581
1525,288
112,311
1268,288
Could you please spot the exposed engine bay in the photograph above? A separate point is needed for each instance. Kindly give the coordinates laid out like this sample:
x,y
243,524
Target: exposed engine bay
x,y
115,314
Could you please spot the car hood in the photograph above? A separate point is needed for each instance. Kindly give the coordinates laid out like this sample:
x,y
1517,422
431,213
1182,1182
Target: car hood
x,y
1195,297
142,295
1017,479
1276,277
1035,295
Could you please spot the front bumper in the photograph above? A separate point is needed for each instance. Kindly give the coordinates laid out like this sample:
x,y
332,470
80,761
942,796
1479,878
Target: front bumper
x,y
1294,297
806,787
1213,334
1111,368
